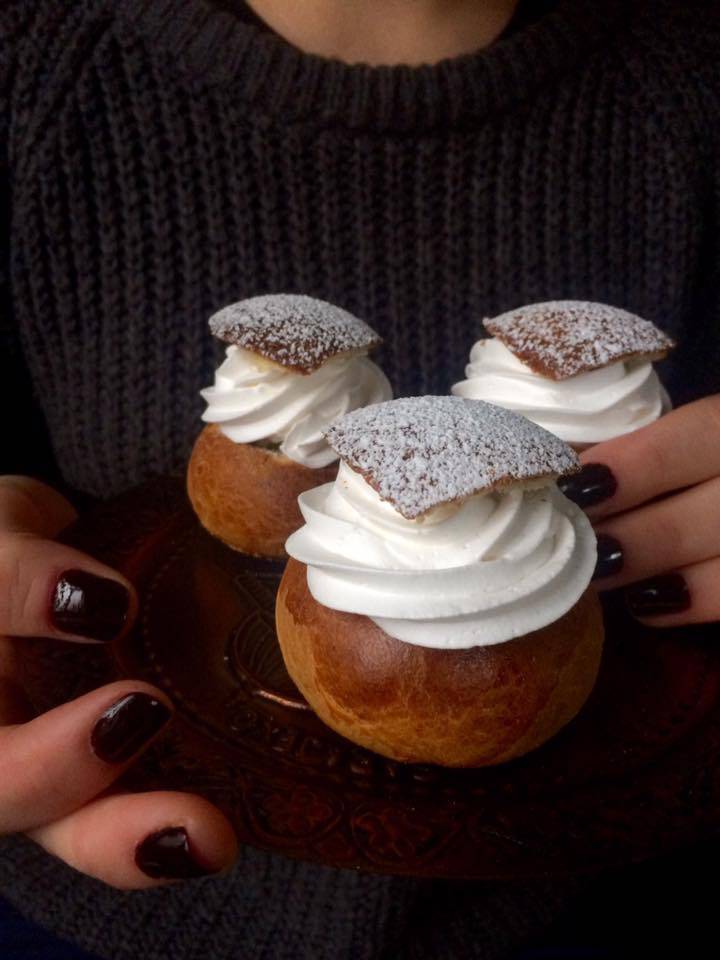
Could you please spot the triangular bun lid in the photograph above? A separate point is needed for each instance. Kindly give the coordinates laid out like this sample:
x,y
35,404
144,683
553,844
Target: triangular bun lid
x,y
563,338
295,331
420,452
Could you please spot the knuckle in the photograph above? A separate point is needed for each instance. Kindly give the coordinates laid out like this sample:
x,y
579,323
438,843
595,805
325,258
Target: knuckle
x,y
656,456
78,845
672,532
18,507
711,412
15,586
127,885
14,780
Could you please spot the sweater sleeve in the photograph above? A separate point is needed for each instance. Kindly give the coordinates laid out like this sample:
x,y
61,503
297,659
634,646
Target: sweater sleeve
x,y
25,446
703,113
704,323
681,87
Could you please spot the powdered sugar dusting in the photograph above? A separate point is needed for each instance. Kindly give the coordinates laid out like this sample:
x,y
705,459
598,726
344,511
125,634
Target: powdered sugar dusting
x,y
299,332
563,338
420,452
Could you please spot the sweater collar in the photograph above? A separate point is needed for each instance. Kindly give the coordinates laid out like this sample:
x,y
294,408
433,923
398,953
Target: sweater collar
x,y
210,47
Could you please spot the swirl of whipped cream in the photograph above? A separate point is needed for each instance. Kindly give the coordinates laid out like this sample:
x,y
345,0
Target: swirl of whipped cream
x,y
255,399
585,409
485,571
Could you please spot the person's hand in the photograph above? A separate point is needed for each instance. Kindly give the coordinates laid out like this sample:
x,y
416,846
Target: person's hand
x,y
57,770
654,499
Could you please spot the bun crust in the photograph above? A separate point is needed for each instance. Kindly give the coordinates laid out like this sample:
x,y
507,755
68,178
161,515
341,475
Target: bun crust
x,y
246,495
456,708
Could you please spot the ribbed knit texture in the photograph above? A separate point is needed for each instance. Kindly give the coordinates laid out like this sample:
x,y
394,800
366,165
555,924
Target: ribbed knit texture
x,y
167,158
162,158
272,908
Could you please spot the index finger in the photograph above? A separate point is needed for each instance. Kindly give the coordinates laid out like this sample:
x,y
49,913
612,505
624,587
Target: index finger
x,y
57,762
679,450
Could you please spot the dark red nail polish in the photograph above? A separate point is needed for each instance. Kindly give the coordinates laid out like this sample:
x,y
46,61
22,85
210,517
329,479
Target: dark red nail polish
x,y
659,596
610,557
127,726
89,606
166,855
592,485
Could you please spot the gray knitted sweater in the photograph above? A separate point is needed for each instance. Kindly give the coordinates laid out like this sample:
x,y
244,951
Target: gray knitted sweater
x,y
161,158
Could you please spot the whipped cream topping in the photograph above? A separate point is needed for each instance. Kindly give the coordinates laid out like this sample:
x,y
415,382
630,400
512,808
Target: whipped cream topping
x,y
255,399
585,409
482,572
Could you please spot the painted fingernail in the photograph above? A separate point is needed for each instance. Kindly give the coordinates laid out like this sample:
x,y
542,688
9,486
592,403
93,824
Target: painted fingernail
x,y
592,485
610,557
89,606
658,596
166,855
127,726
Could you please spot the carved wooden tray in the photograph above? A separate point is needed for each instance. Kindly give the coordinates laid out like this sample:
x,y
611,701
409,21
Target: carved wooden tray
x,y
637,774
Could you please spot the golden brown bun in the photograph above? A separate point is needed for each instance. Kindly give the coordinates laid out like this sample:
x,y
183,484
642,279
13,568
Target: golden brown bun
x,y
247,495
458,708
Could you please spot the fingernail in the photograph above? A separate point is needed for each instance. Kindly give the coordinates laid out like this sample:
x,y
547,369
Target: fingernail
x,y
592,485
610,558
89,606
166,855
127,726
658,596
